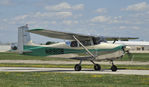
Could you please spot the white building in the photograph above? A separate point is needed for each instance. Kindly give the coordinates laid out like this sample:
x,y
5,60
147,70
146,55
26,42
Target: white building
x,y
135,45
4,48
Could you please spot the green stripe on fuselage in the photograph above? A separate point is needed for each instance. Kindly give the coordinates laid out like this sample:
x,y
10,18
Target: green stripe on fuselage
x,y
36,29
45,51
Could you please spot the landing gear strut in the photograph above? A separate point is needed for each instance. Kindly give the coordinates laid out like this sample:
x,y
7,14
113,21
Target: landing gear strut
x,y
113,67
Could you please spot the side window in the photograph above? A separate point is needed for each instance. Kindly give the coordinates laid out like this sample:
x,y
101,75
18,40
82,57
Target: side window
x,y
86,43
74,44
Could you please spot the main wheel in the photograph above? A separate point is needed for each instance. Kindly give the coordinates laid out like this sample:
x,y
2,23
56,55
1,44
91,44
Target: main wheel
x,y
114,68
77,67
97,67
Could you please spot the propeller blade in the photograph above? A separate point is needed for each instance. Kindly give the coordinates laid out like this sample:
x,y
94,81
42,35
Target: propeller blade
x,y
126,50
130,56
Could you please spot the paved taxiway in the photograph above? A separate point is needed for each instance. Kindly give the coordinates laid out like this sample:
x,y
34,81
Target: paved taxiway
x,y
73,62
70,70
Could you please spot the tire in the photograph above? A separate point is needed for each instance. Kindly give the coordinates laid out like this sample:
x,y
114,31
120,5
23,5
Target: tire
x,y
114,68
97,67
77,67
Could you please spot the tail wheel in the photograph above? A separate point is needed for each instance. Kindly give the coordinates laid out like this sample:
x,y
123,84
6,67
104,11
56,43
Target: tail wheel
x,y
114,68
97,67
77,67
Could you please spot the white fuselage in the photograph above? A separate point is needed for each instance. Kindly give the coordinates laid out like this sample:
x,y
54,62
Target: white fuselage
x,y
102,51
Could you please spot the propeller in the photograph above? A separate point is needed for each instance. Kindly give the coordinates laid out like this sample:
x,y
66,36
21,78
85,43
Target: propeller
x,y
130,56
126,50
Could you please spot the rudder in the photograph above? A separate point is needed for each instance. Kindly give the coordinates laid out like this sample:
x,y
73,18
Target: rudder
x,y
23,37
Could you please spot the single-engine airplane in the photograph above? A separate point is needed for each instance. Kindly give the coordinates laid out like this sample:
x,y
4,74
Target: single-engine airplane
x,y
95,47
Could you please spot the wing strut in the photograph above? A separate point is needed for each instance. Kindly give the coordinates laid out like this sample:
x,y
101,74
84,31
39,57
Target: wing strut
x,y
93,57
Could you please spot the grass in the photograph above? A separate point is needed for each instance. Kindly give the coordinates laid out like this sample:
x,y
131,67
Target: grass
x,y
16,56
135,67
144,57
49,79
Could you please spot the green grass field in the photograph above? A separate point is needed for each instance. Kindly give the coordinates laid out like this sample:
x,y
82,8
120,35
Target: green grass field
x,y
14,56
144,57
48,79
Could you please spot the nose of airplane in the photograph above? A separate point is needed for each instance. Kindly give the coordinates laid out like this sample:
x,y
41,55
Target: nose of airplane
x,y
126,48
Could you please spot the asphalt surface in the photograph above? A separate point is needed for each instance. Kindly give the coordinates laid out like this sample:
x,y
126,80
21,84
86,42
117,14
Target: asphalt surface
x,y
70,70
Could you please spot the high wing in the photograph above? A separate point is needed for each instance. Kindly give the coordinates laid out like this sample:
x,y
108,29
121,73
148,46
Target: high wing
x,y
69,36
59,35
120,38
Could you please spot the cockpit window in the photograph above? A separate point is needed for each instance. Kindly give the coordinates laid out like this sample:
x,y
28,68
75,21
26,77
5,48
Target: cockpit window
x,y
76,44
93,41
98,40
102,39
86,43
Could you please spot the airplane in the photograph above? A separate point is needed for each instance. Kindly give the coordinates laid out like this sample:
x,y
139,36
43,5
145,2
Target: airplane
x,y
95,48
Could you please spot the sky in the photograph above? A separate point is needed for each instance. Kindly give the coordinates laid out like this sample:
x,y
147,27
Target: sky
x,y
121,18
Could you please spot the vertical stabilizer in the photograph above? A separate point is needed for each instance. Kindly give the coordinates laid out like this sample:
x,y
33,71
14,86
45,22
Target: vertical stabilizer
x,y
23,37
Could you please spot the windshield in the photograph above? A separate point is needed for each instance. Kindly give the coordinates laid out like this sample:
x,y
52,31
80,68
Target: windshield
x,y
98,40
